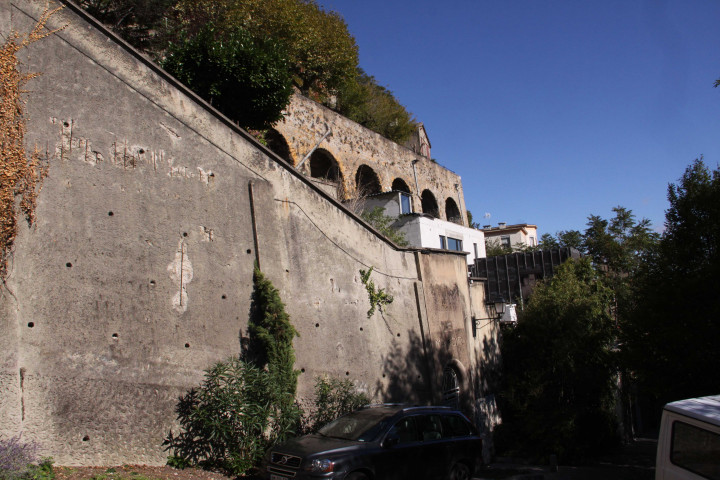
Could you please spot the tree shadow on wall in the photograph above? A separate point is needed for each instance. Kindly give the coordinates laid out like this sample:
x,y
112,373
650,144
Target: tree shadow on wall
x,y
487,381
412,372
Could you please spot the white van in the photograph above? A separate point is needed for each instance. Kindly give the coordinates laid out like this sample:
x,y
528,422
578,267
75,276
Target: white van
x,y
689,441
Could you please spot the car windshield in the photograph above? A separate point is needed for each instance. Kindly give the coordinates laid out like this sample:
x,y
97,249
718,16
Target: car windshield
x,y
362,426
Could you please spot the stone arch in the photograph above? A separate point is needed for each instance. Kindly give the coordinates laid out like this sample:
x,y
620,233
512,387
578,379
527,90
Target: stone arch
x,y
452,212
323,165
399,185
367,181
429,204
278,145
455,385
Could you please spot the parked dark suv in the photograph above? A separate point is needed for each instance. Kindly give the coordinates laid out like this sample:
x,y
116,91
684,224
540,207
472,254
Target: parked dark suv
x,y
383,442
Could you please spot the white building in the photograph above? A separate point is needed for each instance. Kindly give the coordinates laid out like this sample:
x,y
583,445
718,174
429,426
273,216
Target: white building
x,y
423,230
511,236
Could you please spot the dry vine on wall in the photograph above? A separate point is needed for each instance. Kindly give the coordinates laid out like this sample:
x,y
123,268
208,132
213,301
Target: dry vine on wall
x,y
20,175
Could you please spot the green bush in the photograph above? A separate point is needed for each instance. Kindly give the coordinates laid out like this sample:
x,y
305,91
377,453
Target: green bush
x,y
228,422
383,224
333,398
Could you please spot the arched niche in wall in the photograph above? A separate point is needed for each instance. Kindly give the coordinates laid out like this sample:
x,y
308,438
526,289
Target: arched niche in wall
x,y
367,181
399,185
276,142
323,165
452,212
429,204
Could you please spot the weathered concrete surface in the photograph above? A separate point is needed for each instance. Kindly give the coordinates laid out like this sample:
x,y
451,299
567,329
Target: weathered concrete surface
x,y
351,145
137,274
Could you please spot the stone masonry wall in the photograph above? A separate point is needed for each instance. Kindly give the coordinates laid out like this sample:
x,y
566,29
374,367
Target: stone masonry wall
x,y
351,145
137,274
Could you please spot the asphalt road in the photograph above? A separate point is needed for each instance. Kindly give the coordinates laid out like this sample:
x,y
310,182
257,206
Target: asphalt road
x,y
632,462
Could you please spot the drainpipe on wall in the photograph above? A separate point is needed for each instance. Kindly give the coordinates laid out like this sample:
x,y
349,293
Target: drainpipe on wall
x,y
462,219
417,189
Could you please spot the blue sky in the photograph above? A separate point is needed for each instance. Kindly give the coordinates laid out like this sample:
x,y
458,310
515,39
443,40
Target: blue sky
x,y
552,110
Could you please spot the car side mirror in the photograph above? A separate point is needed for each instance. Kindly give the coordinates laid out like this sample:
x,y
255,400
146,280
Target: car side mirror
x,y
390,441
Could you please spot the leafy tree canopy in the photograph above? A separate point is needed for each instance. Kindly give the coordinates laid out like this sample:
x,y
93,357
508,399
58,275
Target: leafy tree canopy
x,y
671,340
245,78
383,224
362,100
137,21
321,52
558,360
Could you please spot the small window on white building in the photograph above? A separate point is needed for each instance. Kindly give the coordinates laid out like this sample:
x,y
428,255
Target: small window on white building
x,y
454,244
505,241
532,242
405,207
443,242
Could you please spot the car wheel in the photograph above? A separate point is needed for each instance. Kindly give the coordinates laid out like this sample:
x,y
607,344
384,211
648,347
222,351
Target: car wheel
x,y
356,476
460,471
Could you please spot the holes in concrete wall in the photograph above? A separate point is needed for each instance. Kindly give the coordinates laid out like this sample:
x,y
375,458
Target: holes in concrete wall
x,y
361,329
31,324
110,213
68,265
302,370
224,297
184,234
141,151
66,124
86,438
114,335
347,374
248,251
398,334
187,345
317,325
152,283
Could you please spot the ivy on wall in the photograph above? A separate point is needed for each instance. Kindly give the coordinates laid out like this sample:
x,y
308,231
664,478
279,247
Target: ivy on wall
x,y
20,175
378,297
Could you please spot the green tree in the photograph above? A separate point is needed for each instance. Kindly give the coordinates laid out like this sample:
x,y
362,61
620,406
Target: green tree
x,y
471,223
373,106
671,338
557,393
137,21
321,52
245,78
272,335
493,248
383,224
245,405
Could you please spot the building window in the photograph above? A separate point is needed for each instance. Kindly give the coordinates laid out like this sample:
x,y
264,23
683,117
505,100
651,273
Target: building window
x,y
505,241
532,242
405,204
454,244
476,250
443,242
